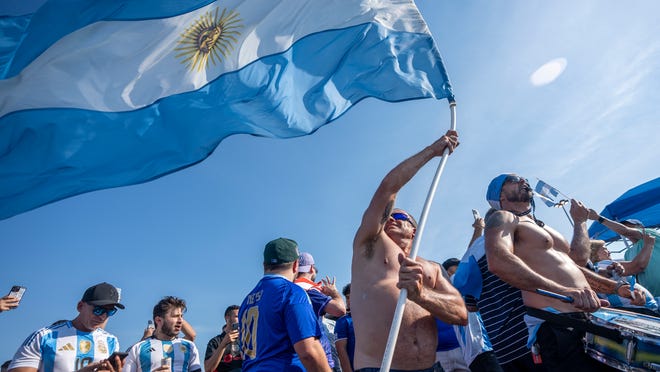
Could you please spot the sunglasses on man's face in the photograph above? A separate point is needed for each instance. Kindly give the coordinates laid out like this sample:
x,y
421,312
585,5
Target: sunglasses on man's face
x,y
98,311
401,217
514,179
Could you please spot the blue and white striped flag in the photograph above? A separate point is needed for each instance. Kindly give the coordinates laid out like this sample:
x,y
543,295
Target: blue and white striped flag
x,y
547,193
99,94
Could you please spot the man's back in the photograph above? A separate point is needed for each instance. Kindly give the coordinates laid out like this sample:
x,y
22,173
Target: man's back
x,y
274,316
375,273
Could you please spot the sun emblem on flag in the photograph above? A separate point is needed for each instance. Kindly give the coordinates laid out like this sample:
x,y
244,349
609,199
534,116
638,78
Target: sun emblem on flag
x,y
211,37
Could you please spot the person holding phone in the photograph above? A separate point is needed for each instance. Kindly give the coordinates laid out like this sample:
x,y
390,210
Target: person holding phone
x,y
12,299
222,352
81,344
8,303
165,351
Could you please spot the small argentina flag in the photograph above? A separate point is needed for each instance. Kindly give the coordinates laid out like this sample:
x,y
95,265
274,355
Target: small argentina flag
x,y
547,193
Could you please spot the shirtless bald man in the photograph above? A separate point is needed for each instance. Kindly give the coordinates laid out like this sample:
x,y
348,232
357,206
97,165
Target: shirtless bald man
x,y
529,255
380,268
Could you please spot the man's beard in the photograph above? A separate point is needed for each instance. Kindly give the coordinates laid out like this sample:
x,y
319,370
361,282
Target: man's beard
x,y
168,330
524,196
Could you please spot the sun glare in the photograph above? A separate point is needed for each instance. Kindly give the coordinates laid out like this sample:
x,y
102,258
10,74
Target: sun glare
x,y
549,72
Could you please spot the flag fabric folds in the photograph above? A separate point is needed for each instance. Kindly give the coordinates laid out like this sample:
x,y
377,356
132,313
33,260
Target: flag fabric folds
x,y
467,278
100,94
641,202
547,193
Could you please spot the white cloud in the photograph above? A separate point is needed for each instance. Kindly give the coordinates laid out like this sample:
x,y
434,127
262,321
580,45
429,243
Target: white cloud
x,y
549,72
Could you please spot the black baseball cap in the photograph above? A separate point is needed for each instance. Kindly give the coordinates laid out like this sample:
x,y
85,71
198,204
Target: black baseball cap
x,y
103,294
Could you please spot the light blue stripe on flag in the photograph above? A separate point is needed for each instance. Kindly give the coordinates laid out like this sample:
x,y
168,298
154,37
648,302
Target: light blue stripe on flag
x,y
61,148
467,278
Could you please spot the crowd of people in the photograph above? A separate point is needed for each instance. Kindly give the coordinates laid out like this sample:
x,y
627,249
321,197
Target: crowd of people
x,y
496,309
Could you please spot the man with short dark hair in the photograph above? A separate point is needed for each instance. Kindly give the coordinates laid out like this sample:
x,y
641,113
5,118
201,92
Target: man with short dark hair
x,y
79,344
165,351
450,265
222,351
278,328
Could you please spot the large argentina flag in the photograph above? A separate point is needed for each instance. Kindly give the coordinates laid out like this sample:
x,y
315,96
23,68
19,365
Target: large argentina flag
x,y
105,93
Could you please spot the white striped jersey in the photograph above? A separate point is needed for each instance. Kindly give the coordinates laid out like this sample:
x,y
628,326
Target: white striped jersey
x,y
63,348
148,355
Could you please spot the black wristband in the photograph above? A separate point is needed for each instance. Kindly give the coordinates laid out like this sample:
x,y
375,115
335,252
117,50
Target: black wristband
x,y
619,284
601,219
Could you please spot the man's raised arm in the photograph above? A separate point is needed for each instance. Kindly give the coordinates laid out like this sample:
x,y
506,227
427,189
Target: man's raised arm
x,y
382,203
580,249
631,233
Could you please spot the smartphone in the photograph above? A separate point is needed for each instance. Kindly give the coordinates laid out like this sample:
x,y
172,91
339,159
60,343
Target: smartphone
x,y
17,291
150,324
112,356
234,327
475,214
166,362
120,354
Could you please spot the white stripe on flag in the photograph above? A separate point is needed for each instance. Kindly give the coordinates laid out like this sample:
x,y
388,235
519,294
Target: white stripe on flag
x,y
149,69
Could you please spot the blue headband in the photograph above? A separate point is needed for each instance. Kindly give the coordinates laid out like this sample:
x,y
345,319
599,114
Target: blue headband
x,y
494,191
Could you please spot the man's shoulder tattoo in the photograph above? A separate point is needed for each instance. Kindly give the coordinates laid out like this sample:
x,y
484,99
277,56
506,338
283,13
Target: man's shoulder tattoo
x,y
496,220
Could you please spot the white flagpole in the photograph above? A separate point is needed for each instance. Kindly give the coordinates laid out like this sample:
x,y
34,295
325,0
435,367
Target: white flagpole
x,y
401,304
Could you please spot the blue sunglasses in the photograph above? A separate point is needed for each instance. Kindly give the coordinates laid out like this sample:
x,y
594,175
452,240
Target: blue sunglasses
x,y
98,311
401,217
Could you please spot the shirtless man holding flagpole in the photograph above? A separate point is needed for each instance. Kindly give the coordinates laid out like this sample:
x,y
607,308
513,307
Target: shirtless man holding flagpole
x,y
381,267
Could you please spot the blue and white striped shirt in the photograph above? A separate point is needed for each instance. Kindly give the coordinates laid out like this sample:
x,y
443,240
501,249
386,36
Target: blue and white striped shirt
x,y
63,348
148,355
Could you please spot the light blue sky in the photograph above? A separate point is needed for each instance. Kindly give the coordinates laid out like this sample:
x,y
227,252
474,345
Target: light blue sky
x,y
199,233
